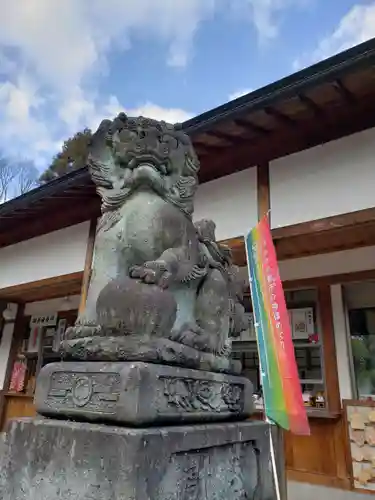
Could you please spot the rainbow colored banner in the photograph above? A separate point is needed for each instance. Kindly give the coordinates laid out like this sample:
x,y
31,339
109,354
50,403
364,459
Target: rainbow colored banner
x,y
282,393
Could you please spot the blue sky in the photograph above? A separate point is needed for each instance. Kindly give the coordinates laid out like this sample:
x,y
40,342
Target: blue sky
x,y
66,65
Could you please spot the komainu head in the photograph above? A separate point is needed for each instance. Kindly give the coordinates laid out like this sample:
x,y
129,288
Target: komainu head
x,y
129,154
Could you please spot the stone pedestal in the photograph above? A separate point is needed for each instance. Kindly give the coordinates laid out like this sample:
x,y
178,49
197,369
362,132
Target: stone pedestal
x,y
44,459
139,394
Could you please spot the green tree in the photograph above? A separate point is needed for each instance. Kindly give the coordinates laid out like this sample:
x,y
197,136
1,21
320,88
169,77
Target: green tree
x,y
72,156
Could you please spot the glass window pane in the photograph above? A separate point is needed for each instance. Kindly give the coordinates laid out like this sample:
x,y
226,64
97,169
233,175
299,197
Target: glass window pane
x,y
302,306
309,363
362,338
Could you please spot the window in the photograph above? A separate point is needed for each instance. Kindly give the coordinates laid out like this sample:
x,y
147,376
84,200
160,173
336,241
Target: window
x,y
306,332
360,302
362,338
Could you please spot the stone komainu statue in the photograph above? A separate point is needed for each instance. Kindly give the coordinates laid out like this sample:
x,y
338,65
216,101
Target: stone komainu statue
x,y
163,301
162,289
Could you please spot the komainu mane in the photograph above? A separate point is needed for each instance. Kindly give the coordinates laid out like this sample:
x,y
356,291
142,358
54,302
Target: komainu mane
x,y
162,289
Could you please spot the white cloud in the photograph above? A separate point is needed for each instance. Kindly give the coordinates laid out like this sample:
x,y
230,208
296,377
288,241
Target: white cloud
x,y
171,115
20,130
265,15
239,93
79,112
52,53
357,26
63,41
60,48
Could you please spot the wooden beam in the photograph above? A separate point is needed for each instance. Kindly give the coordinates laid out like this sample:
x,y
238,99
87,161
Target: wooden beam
x,y
73,196
344,121
201,152
280,117
230,139
52,219
291,244
204,146
331,279
248,125
263,191
58,286
88,265
328,223
237,246
309,103
344,92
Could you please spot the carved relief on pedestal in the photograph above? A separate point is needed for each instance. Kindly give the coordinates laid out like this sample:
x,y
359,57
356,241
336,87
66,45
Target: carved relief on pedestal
x,y
96,392
215,473
191,395
141,393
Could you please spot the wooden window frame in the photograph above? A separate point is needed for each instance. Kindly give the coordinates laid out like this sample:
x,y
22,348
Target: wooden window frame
x,y
323,310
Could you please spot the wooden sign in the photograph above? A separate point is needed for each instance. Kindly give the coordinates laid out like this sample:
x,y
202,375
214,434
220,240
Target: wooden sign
x,y
43,320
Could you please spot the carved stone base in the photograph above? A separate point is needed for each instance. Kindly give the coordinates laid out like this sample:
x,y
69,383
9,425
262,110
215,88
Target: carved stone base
x,y
140,394
144,348
49,459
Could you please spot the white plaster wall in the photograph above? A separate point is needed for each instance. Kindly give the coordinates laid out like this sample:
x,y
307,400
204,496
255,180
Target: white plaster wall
x,y
323,181
231,202
53,254
347,261
52,306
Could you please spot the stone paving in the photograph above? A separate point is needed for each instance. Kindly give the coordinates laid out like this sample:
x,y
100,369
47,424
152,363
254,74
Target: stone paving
x,y
298,491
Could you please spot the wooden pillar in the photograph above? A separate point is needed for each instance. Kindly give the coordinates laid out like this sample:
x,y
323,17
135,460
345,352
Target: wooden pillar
x,y
333,398
263,189
278,435
16,340
329,348
88,265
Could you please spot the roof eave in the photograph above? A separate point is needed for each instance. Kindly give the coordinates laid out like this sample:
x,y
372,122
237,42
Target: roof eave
x,y
44,191
332,68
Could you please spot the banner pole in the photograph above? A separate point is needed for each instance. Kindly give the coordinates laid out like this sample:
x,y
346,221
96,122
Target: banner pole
x,y
272,449
273,462
278,462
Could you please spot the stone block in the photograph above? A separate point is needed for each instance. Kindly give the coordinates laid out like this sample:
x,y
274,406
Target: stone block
x,y
42,459
139,394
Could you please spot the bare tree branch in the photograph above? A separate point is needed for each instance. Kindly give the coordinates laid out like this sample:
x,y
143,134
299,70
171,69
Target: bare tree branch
x,y
26,178
8,172
16,178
